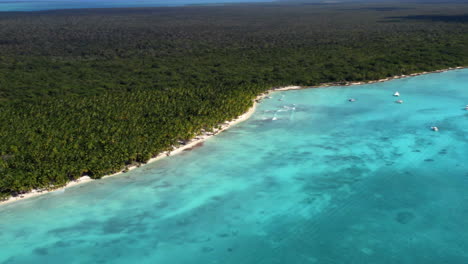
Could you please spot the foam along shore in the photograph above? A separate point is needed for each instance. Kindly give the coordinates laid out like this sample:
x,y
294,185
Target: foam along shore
x,y
176,150
205,135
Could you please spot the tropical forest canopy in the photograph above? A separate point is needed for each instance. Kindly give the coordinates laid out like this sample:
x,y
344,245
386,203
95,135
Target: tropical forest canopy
x,y
90,91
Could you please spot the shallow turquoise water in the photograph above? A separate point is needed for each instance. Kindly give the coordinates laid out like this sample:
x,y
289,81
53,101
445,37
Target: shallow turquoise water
x,y
37,5
328,181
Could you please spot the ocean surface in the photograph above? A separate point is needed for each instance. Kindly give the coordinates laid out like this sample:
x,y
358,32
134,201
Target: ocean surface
x,y
39,5
310,178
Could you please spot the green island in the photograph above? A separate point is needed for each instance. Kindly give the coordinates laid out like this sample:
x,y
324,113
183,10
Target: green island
x,y
89,92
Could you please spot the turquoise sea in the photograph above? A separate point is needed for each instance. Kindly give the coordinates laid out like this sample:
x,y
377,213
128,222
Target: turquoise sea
x,y
39,5
310,178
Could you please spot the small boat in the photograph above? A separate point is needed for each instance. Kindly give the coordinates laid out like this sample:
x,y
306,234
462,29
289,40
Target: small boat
x,y
396,94
434,128
352,100
466,107
399,101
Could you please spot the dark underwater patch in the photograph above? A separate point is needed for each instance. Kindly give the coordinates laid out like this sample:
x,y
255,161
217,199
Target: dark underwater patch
x,y
41,251
81,228
404,217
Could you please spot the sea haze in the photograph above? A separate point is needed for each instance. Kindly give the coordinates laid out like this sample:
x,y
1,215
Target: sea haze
x,y
310,178
37,5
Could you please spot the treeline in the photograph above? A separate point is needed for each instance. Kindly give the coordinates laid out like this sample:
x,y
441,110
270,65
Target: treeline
x,y
91,91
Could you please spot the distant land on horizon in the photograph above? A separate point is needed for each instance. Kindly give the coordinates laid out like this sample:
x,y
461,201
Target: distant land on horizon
x,y
42,5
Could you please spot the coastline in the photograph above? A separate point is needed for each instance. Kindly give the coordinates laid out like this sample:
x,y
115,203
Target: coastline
x,y
396,77
177,150
206,135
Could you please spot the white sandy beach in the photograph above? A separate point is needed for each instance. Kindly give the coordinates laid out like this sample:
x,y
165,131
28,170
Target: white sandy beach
x,y
192,143
204,136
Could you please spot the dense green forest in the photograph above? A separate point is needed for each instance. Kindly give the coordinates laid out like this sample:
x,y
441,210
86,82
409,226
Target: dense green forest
x,y
87,92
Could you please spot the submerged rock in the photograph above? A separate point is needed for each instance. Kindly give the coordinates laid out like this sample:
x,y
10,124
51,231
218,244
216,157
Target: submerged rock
x,y
404,217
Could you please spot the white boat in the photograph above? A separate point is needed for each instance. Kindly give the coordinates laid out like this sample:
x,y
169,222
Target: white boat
x,y
399,101
396,94
352,100
434,128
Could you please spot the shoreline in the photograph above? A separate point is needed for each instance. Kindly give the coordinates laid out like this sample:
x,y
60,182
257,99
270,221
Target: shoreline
x,y
177,150
396,77
206,135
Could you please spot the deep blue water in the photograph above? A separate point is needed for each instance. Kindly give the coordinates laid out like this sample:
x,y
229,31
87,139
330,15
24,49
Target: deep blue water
x,y
37,5
326,181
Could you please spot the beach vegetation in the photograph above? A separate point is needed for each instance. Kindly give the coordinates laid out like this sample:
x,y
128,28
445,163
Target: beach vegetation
x,y
89,92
